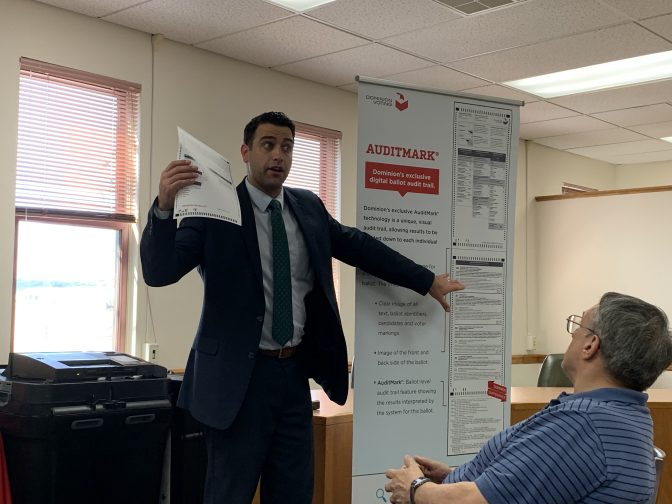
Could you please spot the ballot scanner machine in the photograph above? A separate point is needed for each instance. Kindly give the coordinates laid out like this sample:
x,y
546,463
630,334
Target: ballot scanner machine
x,y
84,427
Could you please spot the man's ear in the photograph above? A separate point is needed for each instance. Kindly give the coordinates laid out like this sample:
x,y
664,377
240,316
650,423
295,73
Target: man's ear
x,y
244,151
591,346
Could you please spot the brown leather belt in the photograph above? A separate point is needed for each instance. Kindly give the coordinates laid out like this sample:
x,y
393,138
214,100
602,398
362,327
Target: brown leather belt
x,y
281,353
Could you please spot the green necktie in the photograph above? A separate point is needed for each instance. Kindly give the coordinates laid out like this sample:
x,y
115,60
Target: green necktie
x,y
283,321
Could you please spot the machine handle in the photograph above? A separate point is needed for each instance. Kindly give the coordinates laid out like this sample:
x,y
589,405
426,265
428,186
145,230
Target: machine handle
x,y
89,423
140,419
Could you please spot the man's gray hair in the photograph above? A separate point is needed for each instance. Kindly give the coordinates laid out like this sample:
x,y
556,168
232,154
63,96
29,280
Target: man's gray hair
x,y
635,341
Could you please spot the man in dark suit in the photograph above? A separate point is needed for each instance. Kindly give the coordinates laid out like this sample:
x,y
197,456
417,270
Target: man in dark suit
x,y
269,319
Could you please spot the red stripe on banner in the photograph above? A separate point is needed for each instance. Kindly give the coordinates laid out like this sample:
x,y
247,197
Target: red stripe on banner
x,y
496,390
400,178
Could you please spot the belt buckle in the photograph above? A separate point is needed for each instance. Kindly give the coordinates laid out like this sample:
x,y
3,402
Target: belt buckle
x,y
281,352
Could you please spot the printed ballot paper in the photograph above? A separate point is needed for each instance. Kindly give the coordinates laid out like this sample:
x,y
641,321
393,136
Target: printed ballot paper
x,y
214,194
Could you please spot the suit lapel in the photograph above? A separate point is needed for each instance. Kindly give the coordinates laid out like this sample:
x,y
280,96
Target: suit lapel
x,y
249,229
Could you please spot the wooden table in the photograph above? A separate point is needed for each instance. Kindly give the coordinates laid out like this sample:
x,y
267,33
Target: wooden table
x,y
332,425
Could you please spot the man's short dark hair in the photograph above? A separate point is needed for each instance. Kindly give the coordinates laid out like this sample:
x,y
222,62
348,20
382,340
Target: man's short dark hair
x,y
276,118
635,341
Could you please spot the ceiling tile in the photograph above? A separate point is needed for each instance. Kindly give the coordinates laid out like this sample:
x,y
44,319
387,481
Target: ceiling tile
x,y
285,41
518,25
638,147
657,130
661,25
561,127
638,115
496,3
454,3
94,8
543,111
197,20
590,138
618,42
619,98
471,8
438,77
376,19
503,92
641,9
340,68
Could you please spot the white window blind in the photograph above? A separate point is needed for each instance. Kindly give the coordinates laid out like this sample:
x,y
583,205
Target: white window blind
x,y
78,143
316,164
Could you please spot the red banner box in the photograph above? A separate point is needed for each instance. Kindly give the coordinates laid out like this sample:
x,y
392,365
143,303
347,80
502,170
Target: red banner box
x,y
400,178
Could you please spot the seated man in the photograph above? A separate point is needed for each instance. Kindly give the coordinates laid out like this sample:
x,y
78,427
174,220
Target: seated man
x,y
594,445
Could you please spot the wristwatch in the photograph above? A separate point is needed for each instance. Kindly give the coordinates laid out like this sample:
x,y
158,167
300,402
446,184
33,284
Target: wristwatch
x,y
415,484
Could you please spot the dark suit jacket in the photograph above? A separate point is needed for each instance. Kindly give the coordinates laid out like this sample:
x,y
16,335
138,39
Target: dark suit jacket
x,y
226,344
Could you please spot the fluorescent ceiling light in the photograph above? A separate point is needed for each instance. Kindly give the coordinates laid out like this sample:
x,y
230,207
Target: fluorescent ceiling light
x,y
603,76
300,5
667,139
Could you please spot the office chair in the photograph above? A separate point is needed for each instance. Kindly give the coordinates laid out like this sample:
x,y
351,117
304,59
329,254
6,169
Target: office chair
x,y
659,458
551,373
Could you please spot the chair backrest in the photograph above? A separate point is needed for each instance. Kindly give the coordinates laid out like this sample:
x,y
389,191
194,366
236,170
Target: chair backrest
x,y
659,458
551,373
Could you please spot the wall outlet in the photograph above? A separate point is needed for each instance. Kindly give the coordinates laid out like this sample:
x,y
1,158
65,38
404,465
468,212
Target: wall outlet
x,y
151,353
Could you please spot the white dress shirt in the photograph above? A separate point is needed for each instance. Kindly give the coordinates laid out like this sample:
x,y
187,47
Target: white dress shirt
x,y
302,271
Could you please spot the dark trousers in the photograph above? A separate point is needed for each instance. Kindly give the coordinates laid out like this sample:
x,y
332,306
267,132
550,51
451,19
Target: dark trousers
x,y
271,438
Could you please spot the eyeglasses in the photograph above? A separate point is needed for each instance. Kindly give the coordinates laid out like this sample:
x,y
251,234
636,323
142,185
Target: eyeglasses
x,y
574,322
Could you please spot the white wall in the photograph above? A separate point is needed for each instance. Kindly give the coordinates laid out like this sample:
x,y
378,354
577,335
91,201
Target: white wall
x,y
588,246
519,308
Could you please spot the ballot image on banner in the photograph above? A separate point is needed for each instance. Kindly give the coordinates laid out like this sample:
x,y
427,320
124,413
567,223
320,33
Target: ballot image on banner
x,y
436,182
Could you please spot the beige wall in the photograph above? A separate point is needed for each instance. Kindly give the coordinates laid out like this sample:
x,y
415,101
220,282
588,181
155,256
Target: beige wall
x,y
212,97
644,175
547,170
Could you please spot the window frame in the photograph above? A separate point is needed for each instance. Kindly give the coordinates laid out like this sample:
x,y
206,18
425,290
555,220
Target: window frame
x,y
123,217
123,252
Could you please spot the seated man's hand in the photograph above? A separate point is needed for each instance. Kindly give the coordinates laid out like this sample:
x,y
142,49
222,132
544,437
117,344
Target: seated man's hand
x,y
433,469
401,479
